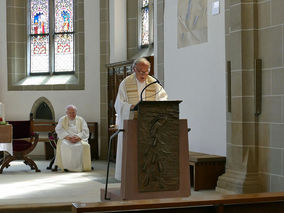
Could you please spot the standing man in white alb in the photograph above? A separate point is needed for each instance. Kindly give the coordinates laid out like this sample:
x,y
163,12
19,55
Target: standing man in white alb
x,y
73,150
128,96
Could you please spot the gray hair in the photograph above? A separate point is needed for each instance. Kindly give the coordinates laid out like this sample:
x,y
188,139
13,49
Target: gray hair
x,y
140,60
70,106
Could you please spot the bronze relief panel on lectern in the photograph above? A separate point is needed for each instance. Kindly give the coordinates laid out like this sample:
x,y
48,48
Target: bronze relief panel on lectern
x,y
158,146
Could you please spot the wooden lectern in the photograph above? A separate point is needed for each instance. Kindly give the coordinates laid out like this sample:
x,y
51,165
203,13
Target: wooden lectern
x,y
155,154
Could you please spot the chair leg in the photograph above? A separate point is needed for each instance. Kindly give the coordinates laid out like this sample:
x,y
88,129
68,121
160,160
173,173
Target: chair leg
x,y
27,163
31,163
51,163
6,163
2,157
55,169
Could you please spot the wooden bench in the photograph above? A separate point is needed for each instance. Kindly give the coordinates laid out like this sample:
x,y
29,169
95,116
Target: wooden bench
x,y
245,203
44,127
205,170
49,126
93,139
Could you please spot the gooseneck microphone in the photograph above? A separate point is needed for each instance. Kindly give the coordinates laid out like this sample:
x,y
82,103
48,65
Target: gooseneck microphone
x,y
154,82
141,94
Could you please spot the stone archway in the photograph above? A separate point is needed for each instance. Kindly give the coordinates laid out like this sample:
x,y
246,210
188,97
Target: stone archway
x,y
42,109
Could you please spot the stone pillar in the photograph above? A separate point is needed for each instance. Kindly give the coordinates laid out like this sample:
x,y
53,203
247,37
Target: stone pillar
x,y
242,172
160,41
104,59
132,28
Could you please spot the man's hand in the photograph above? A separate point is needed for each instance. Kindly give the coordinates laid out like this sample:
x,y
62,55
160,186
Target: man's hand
x,y
68,138
73,139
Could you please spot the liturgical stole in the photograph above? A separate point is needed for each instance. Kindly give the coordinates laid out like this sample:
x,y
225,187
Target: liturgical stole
x,y
65,123
132,90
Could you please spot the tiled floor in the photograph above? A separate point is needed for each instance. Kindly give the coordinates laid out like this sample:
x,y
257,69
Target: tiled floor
x,y
20,185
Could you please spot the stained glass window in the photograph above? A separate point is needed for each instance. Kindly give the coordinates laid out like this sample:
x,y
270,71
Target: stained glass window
x,y
39,39
51,45
145,26
64,35
63,52
39,17
39,54
63,16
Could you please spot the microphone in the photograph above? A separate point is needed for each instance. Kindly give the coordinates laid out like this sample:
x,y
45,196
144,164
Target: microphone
x,y
154,82
157,80
141,94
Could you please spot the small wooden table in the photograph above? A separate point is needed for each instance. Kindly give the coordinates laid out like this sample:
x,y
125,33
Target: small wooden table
x,y
6,133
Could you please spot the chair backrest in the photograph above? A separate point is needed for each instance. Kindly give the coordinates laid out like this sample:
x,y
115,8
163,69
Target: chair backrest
x,y
21,129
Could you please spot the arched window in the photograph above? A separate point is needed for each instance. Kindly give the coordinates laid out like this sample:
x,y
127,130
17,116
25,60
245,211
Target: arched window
x,y
51,37
44,38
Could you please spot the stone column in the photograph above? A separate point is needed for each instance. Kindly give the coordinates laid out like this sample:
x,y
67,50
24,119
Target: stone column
x,y
132,28
160,41
242,173
104,59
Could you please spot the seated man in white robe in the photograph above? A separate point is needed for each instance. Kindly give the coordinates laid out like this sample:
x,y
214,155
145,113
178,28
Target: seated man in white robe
x,y
73,150
128,96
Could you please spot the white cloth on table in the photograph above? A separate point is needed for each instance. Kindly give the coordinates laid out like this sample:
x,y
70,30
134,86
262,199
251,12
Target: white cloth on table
x,y
8,147
122,108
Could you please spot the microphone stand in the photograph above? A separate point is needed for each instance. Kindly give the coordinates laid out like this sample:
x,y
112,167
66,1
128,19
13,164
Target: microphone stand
x,y
108,161
141,94
154,82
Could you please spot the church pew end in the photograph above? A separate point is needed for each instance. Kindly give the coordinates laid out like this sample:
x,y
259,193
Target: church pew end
x,y
245,203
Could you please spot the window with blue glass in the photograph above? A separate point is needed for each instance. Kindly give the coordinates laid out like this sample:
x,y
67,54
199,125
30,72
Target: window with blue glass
x,y
146,22
51,37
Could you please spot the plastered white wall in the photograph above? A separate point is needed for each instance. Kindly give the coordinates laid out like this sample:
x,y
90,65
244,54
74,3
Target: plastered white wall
x,y
196,75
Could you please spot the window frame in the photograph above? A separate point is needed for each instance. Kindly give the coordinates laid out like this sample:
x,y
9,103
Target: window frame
x,y
51,70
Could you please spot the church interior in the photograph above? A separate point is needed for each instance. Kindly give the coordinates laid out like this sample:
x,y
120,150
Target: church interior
x,y
223,59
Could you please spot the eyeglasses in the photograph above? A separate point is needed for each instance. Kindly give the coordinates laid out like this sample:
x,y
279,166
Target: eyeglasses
x,y
142,72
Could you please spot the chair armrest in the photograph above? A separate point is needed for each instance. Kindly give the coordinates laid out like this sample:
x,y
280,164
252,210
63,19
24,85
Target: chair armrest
x,y
52,138
34,140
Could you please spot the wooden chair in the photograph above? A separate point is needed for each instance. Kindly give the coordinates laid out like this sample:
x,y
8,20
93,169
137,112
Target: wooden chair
x,y
24,141
52,139
6,136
